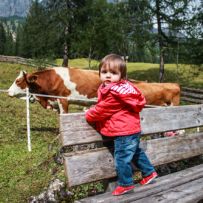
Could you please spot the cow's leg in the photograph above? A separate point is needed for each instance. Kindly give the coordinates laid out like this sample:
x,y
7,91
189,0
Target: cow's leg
x,y
44,102
63,105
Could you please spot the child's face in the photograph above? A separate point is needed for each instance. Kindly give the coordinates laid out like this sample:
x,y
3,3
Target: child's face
x,y
108,75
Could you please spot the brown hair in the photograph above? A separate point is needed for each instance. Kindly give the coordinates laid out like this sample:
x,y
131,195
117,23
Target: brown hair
x,y
114,61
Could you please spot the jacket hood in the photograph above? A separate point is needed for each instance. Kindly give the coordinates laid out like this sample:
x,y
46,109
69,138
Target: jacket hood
x,y
105,89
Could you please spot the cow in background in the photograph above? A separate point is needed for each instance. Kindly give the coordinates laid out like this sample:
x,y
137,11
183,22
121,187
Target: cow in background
x,y
160,94
83,84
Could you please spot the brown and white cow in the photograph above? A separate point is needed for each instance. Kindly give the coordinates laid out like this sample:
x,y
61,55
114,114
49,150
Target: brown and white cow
x,y
160,94
58,81
77,83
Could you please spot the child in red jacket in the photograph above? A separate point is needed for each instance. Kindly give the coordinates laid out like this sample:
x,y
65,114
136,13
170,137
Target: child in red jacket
x,y
116,114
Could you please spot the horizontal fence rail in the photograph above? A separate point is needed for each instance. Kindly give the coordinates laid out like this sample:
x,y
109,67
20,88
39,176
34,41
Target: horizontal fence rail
x,y
192,95
14,59
24,61
71,100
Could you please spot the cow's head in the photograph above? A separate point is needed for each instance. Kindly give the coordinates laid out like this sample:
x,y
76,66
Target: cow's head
x,y
18,88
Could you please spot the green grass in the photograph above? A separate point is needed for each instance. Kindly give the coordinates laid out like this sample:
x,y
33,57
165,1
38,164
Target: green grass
x,y
79,63
23,173
185,75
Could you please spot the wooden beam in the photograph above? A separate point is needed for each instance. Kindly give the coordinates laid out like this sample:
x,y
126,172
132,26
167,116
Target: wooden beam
x,y
75,130
171,118
99,164
165,183
190,192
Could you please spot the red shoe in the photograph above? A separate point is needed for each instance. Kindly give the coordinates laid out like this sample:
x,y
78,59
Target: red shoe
x,y
146,180
122,190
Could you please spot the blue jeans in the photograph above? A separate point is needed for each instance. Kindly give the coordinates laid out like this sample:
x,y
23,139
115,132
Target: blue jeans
x,y
127,150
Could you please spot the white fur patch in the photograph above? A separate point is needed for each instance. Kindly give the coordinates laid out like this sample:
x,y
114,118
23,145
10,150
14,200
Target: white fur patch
x,y
15,90
64,74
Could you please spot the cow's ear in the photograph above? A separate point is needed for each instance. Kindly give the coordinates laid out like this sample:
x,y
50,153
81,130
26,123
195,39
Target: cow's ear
x,y
32,78
23,73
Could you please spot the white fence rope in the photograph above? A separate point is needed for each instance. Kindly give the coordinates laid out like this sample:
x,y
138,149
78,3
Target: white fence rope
x,y
71,99
28,120
3,90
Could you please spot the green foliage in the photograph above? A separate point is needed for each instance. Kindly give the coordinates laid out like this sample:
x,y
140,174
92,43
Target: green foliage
x,y
6,40
122,27
35,33
2,39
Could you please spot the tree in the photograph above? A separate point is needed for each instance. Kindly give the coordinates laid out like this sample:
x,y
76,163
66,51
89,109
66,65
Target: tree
x,y
36,40
63,12
2,38
193,52
169,15
9,44
138,31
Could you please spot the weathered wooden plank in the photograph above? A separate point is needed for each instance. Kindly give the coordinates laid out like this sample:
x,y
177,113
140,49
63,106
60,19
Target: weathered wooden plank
x,y
161,184
171,118
75,130
99,164
190,192
89,166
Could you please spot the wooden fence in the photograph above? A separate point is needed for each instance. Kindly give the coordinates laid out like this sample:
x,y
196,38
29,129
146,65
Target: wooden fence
x,y
192,95
25,61
14,59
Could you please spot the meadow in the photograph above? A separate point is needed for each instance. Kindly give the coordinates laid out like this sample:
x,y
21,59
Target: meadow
x,y
23,173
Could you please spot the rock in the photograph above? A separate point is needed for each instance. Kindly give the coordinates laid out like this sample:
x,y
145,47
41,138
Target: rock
x,y
55,193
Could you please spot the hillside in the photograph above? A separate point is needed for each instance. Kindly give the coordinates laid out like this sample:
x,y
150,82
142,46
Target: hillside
x,y
14,8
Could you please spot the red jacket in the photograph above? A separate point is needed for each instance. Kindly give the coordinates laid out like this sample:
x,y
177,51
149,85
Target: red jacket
x,y
117,110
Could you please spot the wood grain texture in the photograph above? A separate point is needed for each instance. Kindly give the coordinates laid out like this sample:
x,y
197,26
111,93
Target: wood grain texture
x,y
178,182
190,192
171,118
97,164
75,130
88,166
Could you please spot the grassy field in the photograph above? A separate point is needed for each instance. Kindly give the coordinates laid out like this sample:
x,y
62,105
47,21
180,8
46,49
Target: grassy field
x,y
186,75
23,173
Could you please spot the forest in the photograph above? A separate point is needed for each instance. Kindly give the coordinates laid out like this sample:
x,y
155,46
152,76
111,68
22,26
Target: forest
x,y
152,31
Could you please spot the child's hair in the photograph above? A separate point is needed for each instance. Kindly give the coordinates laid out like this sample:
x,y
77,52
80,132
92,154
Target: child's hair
x,y
114,61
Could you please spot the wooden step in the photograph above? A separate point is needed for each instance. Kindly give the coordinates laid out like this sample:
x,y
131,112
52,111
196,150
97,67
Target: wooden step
x,y
184,181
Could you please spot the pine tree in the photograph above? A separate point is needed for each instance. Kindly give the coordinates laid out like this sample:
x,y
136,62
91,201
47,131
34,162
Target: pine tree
x,y
2,39
170,16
